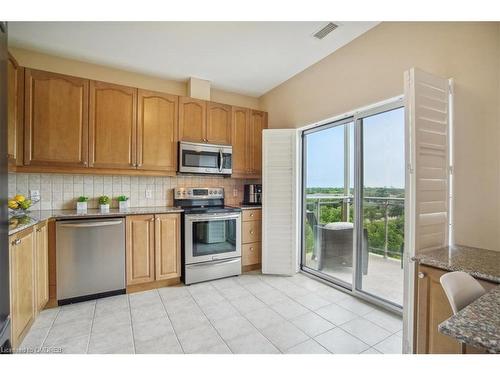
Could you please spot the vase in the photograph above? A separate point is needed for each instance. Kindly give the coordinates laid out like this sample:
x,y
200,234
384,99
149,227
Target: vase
x,y
123,205
81,207
104,208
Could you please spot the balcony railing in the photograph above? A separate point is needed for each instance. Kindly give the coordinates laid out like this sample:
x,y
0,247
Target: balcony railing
x,y
380,211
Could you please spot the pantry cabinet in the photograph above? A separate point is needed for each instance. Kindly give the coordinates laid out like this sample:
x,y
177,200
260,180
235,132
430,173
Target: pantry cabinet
x,y
192,120
113,126
41,266
219,122
157,131
56,120
15,103
152,248
22,283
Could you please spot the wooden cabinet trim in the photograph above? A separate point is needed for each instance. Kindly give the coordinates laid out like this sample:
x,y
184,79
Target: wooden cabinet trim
x,y
15,128
30,137
93,123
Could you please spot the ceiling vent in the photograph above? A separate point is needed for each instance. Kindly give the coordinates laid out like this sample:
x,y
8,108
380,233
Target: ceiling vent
x,y
327,29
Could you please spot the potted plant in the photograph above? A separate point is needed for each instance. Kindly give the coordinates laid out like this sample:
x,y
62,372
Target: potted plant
x,y
81,204
122,202
104,203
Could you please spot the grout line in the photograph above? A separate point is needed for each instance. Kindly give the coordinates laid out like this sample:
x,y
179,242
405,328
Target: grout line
x,y
170,321
209,321
131,323
91,326
50,328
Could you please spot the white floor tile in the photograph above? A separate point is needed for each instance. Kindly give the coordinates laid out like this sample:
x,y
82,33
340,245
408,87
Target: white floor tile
x,y
391,345
254,343
338,341
264,317
312,324
356,305
289,309
336,314
384,319
366,331
312,301
230,328
200,338
284,335
247,304
308,347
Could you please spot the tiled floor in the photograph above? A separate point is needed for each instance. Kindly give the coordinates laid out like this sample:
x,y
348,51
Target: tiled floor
x,y
251,313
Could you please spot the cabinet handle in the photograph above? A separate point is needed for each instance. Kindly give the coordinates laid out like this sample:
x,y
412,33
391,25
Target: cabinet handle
x,y
251,232
421,275
17,241
38,230
251,249
85,163
152,219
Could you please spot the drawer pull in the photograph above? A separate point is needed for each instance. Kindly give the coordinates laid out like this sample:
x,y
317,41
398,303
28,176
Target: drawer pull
x,y
421,275
251,232
251,249
17,241
251,215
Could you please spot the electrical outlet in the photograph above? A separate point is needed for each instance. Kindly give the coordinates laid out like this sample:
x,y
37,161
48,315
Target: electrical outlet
x,y
35,195
148,194
235,193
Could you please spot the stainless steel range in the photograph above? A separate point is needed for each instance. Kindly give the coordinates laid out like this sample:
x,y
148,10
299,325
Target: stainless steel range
x,y
212,235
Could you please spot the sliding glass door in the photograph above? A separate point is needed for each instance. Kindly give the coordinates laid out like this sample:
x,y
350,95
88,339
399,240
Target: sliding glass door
x,y
353,203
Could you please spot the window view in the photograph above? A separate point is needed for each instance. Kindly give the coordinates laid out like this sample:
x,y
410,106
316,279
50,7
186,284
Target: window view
x,y
330,214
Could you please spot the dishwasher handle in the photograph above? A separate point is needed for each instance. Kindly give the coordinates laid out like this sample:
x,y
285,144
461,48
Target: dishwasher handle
x,y
92,224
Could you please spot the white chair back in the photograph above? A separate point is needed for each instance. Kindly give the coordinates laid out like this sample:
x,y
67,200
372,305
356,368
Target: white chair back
x,y
461,289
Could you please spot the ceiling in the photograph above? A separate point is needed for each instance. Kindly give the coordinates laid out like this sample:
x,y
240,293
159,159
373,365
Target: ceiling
x,y
248,58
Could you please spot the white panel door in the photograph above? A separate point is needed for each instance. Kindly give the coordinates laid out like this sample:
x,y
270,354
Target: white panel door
x,y
279,202
428,107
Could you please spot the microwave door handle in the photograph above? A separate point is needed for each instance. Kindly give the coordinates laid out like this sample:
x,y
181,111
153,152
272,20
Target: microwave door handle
x,y
221,159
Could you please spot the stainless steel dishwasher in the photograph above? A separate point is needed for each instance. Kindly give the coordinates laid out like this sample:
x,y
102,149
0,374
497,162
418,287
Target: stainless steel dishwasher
x,y
90,258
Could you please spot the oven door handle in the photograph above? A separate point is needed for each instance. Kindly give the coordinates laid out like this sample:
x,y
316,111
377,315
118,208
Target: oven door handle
x,y
214,263
194,218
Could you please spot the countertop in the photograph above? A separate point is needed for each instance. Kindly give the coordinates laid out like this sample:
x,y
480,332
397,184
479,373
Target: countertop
x,y
250,207
17,224
480,263
478,324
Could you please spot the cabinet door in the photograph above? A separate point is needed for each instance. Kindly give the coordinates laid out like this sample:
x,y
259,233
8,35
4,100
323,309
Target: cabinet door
x,y
41,266
257,124
56,120
218,123
168,246
140,243
112,126
251,231
15,87
192,119
432,309
241,118
22,307
157,131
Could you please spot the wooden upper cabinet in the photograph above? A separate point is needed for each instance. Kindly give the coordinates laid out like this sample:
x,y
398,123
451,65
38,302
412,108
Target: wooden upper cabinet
x,y
219,121
192,119
56,120
140,248
239,137
157,131
258,121
113,126
15,102
168,246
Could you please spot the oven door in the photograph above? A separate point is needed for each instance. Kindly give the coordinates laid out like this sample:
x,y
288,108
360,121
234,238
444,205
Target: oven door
x,y
210,237
203,158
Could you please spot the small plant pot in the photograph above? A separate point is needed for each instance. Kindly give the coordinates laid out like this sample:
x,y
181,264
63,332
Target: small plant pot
x,y
81,207
123,205
104,208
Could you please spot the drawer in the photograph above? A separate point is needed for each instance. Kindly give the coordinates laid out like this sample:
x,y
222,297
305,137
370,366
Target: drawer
x,y
251,231
250,254
251,215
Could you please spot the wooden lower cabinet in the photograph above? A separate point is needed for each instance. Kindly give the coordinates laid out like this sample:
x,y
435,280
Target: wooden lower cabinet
x,y
22,283
251,239
152,248
41,266
432,308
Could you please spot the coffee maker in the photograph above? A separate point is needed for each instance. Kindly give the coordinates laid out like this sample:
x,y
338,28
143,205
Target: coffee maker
x,y
252,194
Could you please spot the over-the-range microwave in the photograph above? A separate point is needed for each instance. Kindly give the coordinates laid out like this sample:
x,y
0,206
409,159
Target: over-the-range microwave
x,y
205,158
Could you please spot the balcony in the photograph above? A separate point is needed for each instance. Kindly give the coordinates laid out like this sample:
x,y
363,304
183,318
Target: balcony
x,y
329,232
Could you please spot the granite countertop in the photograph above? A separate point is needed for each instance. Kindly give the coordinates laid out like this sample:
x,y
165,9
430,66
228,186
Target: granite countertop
x,y
34,217
478,324
480,263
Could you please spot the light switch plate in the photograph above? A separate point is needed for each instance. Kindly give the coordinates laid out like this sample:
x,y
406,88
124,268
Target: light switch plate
x,y
148,194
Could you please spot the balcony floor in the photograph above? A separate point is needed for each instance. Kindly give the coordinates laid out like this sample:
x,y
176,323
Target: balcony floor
x,y
384,278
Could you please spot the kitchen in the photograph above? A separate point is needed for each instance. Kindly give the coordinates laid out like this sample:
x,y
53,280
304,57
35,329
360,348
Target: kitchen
x,y
182,211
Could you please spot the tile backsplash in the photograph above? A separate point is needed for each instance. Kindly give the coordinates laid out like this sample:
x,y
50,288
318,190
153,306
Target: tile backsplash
x,y
60,191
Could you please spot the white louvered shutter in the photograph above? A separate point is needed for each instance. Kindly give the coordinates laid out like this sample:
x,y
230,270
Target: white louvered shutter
x,y
429,120
279,202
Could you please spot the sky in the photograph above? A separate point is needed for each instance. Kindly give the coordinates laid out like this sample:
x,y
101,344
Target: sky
x,y
383,147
